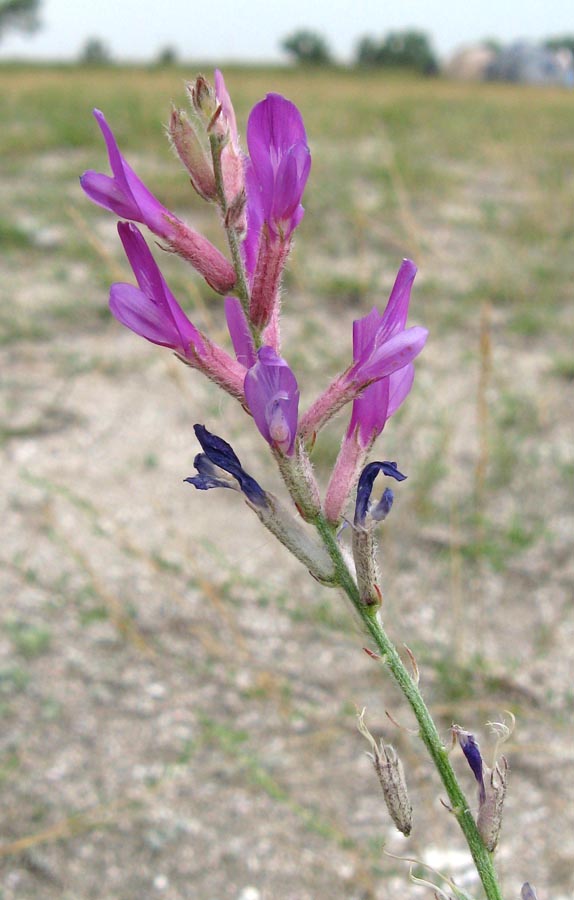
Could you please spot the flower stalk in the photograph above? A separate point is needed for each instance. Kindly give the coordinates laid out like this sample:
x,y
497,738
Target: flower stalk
x,y
427,729
259,200
241,289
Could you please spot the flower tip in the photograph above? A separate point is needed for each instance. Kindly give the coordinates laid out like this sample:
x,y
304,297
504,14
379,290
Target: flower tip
x,y
127,228
99,117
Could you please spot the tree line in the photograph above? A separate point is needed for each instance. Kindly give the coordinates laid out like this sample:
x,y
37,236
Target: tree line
x,y
410,49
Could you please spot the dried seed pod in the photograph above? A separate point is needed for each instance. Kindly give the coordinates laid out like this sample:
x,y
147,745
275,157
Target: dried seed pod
x,y
489,817
392,778
391,774
364,554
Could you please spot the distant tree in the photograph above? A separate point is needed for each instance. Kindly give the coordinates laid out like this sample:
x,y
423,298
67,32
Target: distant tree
x,y
562,42
95,53
21,15
167,56
367,52
307,47
406,49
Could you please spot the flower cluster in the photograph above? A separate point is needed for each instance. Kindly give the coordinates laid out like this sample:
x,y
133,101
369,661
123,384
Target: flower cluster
x,y
259,195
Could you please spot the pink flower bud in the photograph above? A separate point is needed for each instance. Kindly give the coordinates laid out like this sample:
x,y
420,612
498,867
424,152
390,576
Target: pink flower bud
x,y
192,153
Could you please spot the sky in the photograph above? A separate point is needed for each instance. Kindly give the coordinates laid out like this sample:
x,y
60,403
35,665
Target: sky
x,y
240,30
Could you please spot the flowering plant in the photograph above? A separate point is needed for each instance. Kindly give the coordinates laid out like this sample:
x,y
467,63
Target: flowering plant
x,y
259,199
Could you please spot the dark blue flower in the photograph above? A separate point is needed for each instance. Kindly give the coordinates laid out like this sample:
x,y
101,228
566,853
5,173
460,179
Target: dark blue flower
x,y
365,489
471,750
218,459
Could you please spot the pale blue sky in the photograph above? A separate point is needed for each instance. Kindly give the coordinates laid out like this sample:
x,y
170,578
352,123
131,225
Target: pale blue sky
x,y
226,30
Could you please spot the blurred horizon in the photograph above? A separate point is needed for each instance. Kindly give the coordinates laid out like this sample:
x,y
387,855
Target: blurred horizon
x,y
135,32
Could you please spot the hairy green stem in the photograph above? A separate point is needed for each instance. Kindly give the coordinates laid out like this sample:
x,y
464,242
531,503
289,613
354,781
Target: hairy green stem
x,y
427,728
241,288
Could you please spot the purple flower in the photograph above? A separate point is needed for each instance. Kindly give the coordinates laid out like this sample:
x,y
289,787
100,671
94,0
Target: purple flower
x,y
219,461
276,174
383,350
127,196
527,892
272,396
124,193
240,332
380,400
279,163
380,342
151,310
365,489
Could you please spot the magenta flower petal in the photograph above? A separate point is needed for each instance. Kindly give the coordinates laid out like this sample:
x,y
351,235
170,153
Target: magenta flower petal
x,y
400,384
138,312
124,193
393,354
396,311
370,411
240,332
364,333
290,180
378,341
381,375
151,310
379,402
272,396
275,124
374,329
255,219
280,161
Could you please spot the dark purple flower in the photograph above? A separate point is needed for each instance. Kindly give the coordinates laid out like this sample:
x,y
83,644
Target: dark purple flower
x,y
151,310
272,396
240,332
219,461
365,489
471,750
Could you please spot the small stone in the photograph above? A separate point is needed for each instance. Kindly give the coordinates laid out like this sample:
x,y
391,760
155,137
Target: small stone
x,y
249,893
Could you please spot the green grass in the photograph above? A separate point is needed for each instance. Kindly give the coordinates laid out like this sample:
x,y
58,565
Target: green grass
x,y
393,157
28,640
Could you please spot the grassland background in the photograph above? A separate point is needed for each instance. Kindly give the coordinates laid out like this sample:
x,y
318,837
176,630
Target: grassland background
x,y
177,696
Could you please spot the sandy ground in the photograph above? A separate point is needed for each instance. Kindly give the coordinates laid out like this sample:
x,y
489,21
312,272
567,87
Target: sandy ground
x,y
178,697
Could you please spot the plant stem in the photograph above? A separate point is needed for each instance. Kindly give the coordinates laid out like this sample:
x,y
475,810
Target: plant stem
x,y
427,728
241,288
